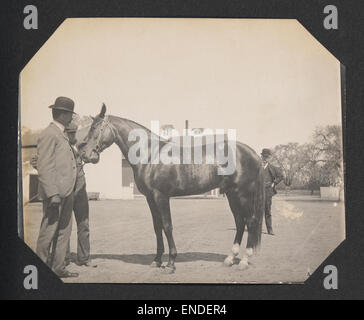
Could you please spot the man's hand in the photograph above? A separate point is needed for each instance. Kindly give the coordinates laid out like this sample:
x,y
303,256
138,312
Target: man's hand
x,y
55,201
34,162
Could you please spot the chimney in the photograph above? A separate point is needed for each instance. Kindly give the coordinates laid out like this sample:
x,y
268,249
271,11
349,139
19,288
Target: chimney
x,y
186,126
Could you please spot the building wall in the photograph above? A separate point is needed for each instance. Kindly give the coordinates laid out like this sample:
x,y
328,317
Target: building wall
x,y
105,176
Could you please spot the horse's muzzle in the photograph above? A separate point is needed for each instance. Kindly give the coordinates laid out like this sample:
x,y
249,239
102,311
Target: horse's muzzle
x,y
93,157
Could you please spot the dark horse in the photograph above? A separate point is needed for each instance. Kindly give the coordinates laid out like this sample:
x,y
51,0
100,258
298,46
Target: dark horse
x,y
244,188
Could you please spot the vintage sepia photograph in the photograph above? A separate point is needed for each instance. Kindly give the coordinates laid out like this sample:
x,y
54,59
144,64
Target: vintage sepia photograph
x,y
182,150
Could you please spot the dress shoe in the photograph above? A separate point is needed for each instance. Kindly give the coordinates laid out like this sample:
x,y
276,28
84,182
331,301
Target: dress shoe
x,y
88,264
67,274
271,233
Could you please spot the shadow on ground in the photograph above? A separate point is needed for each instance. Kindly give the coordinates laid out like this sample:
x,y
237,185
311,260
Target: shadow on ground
x,y
146,259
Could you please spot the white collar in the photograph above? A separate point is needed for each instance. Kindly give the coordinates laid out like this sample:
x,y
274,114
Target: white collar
x,y
59,125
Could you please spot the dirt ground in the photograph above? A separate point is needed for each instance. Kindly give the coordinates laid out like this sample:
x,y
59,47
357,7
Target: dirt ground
x,y
123,242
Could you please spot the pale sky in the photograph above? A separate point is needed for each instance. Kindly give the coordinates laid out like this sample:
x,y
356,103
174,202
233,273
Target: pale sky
x,y
268,79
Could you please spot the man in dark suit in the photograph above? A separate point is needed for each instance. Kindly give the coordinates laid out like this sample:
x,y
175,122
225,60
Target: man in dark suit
x,y
80,207
272,176
57,174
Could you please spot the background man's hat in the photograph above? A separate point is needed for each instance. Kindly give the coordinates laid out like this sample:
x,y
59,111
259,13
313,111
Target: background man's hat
x,y
63,103
266,152
72,127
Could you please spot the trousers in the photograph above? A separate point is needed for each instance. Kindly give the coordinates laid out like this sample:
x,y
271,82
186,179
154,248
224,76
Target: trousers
x,y
81,212
268,206
55,230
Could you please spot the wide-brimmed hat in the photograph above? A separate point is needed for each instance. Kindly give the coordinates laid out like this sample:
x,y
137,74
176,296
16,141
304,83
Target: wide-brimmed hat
x,y
63,103
266,152
72,127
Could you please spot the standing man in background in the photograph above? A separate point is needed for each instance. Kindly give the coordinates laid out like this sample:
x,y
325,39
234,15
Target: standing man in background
x,y
272,176
57,172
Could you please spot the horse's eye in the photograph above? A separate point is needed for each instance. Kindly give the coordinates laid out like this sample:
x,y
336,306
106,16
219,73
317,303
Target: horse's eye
x,y
81,145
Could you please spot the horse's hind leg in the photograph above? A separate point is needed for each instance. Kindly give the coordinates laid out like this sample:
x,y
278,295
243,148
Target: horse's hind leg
x,y
157,223
252,230
237,206
252,224
162,203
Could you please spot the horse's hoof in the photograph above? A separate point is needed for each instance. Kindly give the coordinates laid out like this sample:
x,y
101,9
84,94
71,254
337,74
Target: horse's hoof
x,y
243,264
249,252
169,269
235,249
229,261
155,264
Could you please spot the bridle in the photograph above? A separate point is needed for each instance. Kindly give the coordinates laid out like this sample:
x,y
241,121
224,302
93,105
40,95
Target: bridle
x,y
105,123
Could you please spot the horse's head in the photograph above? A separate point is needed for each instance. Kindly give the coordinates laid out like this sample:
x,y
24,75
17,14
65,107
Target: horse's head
x,y
100,136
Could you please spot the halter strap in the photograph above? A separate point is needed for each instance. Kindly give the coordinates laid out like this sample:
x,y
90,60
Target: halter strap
x,y
105,123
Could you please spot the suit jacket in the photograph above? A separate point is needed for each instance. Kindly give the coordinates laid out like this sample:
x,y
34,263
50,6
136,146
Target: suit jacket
x,y
81,180
56,163
276,175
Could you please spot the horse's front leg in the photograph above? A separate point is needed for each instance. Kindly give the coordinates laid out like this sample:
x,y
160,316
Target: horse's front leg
x,y
157,223
163,206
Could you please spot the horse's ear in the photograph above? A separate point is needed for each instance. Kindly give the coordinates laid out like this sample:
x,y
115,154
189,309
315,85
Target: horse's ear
x,y
103,110
93,118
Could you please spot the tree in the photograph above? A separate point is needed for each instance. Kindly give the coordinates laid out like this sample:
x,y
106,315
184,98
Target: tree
x,y
290,158
314,164
328,144
323,159
311,176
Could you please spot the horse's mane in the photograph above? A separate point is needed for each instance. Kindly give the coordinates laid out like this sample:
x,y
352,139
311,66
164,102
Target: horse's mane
x,y
136,125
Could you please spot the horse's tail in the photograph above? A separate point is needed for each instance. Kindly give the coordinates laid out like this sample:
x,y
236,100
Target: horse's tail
x,y
257,206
